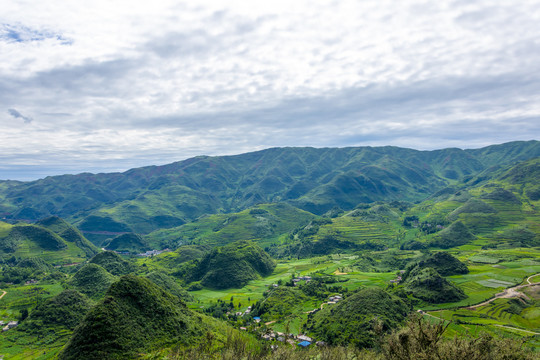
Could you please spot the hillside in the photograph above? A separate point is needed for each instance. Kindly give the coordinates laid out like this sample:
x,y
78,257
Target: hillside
x,y
262,223
232,265
92,280
69,233
444,263
36,235
61,312
131,243
113,263
358,319
316,180
427,284
169,284
53,240
136,316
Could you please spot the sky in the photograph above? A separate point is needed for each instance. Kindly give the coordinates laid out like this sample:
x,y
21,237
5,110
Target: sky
x,y
111,85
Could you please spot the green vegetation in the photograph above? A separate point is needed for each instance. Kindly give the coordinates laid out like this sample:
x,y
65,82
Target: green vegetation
x,y
18,271
52,239
69,233
473,205
45,239
135,316
359,319
428,285
232,265
113,263
262,223
168,283
131,243
476,234
92,280
61,312
456,234
315,180
444,263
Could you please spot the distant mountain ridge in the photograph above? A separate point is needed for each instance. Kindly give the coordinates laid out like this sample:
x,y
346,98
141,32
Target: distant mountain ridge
x,y
316,180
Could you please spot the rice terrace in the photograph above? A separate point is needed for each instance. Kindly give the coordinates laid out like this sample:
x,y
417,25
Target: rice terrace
x,y
270,180
310,268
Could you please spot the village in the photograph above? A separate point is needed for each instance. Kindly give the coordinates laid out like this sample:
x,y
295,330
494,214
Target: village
x,y
301,340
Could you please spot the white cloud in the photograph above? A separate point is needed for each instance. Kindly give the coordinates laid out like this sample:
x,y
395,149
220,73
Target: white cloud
x,y
134,82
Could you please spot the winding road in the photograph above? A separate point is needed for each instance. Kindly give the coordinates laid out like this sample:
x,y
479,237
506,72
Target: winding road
x,y
506,294
3,293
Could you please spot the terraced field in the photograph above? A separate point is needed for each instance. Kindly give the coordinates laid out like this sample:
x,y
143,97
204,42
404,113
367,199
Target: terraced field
x,y
357,231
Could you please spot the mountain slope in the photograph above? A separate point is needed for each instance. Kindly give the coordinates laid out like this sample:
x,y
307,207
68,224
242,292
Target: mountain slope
x,y
233,265
315,180
136,316
355,319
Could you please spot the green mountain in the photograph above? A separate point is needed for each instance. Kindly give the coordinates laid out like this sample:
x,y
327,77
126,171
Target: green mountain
x,y
36,235
135,317
263,223
61,312
427,284
129,242
113,263
68,233
455,235
18,271
444,263
358,319
92,280
316,180
168,283
233,265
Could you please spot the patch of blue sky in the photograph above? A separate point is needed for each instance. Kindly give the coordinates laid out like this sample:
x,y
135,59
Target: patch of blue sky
x,y
20,33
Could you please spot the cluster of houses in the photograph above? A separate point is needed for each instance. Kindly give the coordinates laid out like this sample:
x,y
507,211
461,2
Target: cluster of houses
x,y
153,252
247,312
398,279
301,278
331,300
10,325
300,340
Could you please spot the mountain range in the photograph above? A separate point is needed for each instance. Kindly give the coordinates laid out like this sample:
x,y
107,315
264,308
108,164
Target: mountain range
x,y
144,199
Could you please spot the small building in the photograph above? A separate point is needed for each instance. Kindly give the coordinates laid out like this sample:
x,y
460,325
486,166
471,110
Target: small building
x,y
257,319
304,338
304,344
10,325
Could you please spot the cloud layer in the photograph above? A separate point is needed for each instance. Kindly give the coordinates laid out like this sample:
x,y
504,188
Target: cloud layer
x,y
122,84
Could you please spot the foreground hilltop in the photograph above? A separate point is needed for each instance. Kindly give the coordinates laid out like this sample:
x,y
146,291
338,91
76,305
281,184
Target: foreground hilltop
x,y
317,180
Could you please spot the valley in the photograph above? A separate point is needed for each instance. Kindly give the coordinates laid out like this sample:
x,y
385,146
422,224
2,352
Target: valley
x,y
343,246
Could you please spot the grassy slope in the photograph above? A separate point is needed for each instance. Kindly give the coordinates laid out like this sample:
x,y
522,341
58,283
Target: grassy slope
x,y
263,224
29,246
313,179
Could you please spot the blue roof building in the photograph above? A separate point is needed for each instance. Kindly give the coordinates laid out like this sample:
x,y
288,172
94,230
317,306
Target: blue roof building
x,y
304,344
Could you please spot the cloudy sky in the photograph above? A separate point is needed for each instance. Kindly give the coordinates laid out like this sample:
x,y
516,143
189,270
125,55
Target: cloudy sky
x,y
113,85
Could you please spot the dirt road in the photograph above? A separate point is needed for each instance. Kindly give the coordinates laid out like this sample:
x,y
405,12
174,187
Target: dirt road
x,y
507,293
